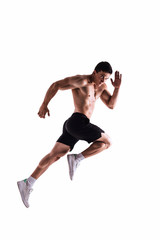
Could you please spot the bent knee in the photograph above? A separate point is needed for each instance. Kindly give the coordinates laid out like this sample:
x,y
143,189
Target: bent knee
x,y
103,144
106,140
109,142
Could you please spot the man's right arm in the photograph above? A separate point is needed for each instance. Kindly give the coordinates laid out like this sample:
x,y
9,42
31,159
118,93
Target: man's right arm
x,y
65,84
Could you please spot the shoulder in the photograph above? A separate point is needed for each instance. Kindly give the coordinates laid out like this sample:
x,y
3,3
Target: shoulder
x,y
80,77
80,80
104,87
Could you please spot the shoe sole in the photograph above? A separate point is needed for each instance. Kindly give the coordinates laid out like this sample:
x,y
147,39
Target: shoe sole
x,y
20,190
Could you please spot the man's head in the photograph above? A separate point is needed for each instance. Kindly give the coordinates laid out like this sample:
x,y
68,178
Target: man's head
x,y
102,72
104,67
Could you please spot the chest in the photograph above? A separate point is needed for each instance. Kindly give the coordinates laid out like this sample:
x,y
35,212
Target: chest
x,y
91,92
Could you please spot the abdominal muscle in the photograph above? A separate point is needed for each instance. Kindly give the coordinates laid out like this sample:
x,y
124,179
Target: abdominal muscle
x,y
86,110
84,103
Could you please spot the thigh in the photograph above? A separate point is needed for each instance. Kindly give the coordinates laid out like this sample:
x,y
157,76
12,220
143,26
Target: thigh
x,y
90,133
67,139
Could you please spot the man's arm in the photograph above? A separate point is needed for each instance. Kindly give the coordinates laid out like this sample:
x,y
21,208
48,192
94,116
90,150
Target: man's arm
x,y
108,99
65,84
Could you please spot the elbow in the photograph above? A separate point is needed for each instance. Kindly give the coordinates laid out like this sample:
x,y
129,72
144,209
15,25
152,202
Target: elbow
x,y
111,106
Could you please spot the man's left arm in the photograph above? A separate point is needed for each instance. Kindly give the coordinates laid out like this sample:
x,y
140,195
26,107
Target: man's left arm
x,y
108,99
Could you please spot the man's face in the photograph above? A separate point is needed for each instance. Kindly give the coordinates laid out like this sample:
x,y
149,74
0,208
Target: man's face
x,y
101,77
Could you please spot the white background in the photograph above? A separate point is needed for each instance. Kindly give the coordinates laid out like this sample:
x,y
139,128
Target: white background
x,y
115,195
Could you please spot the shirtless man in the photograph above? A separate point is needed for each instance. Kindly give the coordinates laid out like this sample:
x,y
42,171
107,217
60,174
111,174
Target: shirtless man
x,y
86,89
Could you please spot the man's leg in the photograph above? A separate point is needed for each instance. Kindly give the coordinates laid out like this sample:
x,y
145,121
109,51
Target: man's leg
x,y
25,186
57,152
104,142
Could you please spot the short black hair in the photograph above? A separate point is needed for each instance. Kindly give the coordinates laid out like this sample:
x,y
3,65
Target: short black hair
x,y
104,66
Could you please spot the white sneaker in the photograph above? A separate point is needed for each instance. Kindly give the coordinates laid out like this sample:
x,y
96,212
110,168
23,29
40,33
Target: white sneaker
x,y
24,191
73,164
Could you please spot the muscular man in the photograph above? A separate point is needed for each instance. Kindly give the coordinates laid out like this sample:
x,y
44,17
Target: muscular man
x,y
86,89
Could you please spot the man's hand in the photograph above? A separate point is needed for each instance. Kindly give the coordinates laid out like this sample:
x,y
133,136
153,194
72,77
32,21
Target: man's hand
x,y
117,82
43,110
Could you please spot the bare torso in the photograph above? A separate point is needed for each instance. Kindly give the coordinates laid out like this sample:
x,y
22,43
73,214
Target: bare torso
x,y
85,97
86,89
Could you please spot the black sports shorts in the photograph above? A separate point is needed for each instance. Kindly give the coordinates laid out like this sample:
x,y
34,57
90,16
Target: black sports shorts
x,y
78,127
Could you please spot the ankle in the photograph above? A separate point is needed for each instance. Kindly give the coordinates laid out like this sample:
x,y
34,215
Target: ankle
x,y
30,181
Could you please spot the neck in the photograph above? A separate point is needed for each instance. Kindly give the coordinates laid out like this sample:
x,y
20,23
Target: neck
x,y
92,79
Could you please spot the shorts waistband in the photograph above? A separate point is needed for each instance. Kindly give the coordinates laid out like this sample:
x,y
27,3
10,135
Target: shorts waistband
x,y
80,114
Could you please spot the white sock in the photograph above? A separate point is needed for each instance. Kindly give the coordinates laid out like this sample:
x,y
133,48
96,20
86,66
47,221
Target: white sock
x,y
30,181
80,157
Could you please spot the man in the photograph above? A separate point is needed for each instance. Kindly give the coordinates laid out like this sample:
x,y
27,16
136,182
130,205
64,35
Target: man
x,y
86,89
